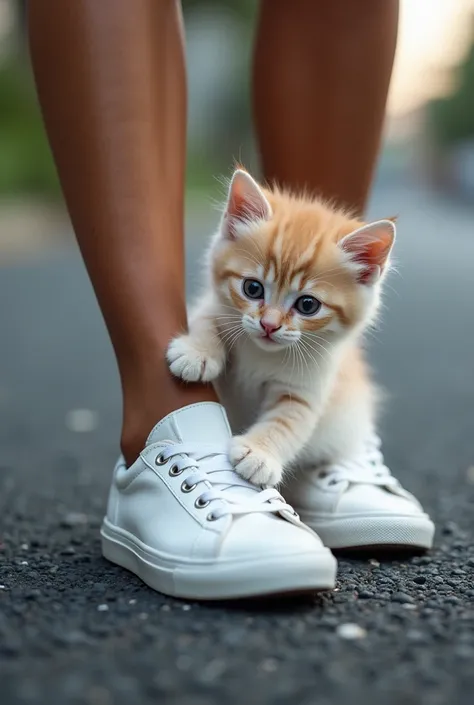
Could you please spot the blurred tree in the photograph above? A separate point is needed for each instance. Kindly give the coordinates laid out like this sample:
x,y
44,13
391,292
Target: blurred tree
x,y
229,122
452,118
240,9
26,165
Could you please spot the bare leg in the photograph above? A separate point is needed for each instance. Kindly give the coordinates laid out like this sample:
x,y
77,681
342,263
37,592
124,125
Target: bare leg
x,y
111,81
321,77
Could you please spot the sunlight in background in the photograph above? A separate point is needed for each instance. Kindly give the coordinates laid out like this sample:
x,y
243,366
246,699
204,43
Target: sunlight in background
x,y
433,35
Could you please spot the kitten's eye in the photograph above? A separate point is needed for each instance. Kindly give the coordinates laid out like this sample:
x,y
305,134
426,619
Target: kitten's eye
x,y
253,289
307,305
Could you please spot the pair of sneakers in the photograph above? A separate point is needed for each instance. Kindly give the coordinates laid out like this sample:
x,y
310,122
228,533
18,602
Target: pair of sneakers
x,y
183,521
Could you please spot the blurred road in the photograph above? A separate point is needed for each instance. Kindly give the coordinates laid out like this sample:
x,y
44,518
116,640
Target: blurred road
x,y
76,630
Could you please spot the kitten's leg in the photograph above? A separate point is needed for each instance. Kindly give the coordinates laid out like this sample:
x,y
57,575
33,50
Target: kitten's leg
x,y
277,437
199,355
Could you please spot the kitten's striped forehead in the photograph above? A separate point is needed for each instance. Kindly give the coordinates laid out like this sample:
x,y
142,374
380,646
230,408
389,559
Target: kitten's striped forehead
x,y
289,261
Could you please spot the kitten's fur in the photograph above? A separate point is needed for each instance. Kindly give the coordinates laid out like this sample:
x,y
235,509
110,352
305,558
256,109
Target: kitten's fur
x,y
305,397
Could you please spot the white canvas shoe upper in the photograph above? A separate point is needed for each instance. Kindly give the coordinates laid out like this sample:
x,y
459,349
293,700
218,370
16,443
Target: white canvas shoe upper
x,y
360,503
185,522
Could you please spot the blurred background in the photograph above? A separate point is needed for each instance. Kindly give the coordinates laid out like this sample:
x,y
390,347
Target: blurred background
x,y
54,350
60,405
430,121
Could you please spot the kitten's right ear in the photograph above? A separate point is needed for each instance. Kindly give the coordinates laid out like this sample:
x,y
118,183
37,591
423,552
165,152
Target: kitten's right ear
x,y
246,203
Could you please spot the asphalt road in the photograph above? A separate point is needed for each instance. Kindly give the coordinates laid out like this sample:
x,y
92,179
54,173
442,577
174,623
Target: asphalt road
x,y
76,630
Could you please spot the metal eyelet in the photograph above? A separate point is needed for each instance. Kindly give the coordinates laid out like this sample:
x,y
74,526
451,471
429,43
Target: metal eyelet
x,y
187,488
174,471
160,459
200,504
211,517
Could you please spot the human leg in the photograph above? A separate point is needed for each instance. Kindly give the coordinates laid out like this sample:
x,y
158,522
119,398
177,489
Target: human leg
x,y
111,82
321,77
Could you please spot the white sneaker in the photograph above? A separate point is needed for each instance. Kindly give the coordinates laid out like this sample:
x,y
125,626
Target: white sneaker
x,y
189,526
360,504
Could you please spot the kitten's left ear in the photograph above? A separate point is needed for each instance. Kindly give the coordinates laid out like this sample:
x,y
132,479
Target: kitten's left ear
x,y
368,247
246,203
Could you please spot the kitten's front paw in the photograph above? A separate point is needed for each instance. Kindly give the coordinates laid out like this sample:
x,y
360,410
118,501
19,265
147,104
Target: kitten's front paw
x,y
253,463
192,363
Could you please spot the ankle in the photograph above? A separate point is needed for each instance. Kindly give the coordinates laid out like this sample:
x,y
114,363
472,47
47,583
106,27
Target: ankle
x,y
142,411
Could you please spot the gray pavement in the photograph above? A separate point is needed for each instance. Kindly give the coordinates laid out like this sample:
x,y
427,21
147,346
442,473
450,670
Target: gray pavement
x,y
74,629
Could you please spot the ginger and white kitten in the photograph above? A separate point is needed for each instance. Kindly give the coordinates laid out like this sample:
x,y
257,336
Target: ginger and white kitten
x,y
291,284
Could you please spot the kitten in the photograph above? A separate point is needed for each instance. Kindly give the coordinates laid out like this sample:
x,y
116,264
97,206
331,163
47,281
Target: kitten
x,y
291,284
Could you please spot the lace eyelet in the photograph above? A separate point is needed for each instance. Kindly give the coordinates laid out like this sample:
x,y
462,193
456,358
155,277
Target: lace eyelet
x,y
160,459
211,517
174,471
200,504
187,488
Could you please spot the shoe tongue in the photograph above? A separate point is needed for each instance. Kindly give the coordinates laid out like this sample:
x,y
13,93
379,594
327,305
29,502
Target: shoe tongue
x,y
205,422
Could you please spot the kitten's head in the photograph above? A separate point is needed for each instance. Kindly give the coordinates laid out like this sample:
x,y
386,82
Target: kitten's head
x,y
290,269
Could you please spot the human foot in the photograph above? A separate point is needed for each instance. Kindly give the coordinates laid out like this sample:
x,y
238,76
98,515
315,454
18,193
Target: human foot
x,y
360,504
189,526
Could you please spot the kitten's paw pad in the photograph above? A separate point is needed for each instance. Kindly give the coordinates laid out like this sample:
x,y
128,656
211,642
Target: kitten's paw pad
x,y
194,364
253,463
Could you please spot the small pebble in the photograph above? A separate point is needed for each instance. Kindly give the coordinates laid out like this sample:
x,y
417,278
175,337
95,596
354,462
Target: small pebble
x,y
24,546
419,580
450,528
366,595
452,600
402,597
32,595
269,665
102,608
68,551
351,631
72,519
23,562
165,608
186,608
81,420
132,602
415,636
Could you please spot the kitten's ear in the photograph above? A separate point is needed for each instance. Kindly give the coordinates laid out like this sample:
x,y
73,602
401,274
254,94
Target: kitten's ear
x,y
368,247
246,203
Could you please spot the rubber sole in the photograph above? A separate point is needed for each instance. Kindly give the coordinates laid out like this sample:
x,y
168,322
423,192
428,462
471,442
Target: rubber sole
x,y
403,533
298,573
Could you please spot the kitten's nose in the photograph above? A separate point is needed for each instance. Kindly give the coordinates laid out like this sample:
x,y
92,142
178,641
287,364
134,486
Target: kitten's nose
x,y
268,327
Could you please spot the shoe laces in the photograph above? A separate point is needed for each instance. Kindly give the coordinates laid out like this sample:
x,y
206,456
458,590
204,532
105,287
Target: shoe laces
x,y
207,467
368,468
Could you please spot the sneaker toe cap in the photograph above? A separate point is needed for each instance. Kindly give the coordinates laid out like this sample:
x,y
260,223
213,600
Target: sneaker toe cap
x,y
263,535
